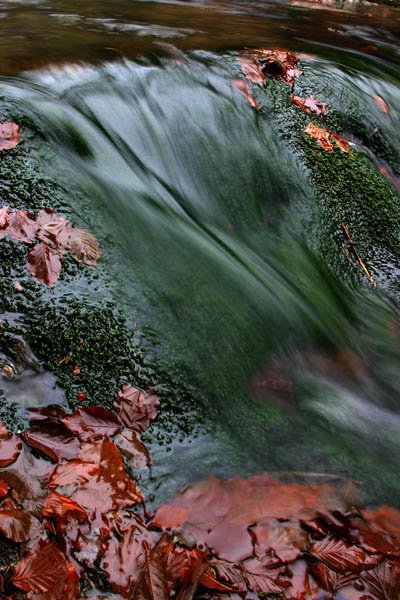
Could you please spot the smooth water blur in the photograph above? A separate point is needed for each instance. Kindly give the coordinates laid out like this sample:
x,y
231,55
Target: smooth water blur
x,y
208,211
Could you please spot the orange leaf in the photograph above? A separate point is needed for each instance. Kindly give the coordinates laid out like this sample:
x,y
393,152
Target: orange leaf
x,y
10,134
243,87
381,104
321,135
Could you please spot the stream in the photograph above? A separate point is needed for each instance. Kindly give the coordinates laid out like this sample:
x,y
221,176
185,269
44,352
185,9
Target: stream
x,y
213,225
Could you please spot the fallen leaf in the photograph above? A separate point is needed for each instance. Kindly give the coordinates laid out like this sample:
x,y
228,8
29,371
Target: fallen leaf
x,y
10,134
276,62
84,247
4,217
311,105
251,70
44,264
152,583
383,582
39,572
53,229
243,87
62,509
381,104
321,135
21,226
133,449
53,439
10,448
92,422
18,525
338,555
136,409
343,144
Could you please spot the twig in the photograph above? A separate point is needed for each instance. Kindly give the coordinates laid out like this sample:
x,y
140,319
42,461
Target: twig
x,y
357,256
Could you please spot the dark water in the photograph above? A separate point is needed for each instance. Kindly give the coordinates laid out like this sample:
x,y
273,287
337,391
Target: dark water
x,y
213,221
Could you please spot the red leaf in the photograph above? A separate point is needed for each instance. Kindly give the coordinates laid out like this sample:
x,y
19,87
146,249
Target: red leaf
x,y
243,87
276,62
92,422
136,409
21,226
53,229
338,555
18,525
386,519
384,581
44,264
10,134
52,412
55,440
251,69
125,555
4,488
152,583
285,539
311,105
10,449
62,510
133,449
41,571
3,217
28,477
101,487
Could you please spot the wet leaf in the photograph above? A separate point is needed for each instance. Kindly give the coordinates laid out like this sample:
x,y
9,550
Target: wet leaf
x,y
84,247
243,87
53,439
321,135
275,62
92,422
338,555
343,144
125,556
17,525
62,510
383,582
133,449
3,217
4,488
251,69
10,134
381,104
153,583
44,264
285,539
21,226
41,571
53,229
10,448
311,105
136,409
28,477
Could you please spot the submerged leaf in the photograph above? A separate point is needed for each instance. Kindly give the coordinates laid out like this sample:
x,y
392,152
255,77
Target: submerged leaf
x,y
44,264
243,87
338,555
21,226
17,525
84,247
10,448
53,229
39,572
311,105
54,440
92,422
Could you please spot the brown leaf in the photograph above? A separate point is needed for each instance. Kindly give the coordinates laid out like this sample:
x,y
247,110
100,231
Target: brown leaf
x,y
243,87
381,104
343,144
4,488
251,69
54,440
63,509
53,229
152,583
84,247
10,448
18,525
133,449
338,555
285,539
21,226
383,582
92,422
41,571
276,62
311,105
3,217
44,264
10,134
125,555
321,135
136,409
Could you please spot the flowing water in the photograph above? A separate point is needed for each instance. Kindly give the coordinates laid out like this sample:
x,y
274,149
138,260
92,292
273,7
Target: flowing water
x,y
213,225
